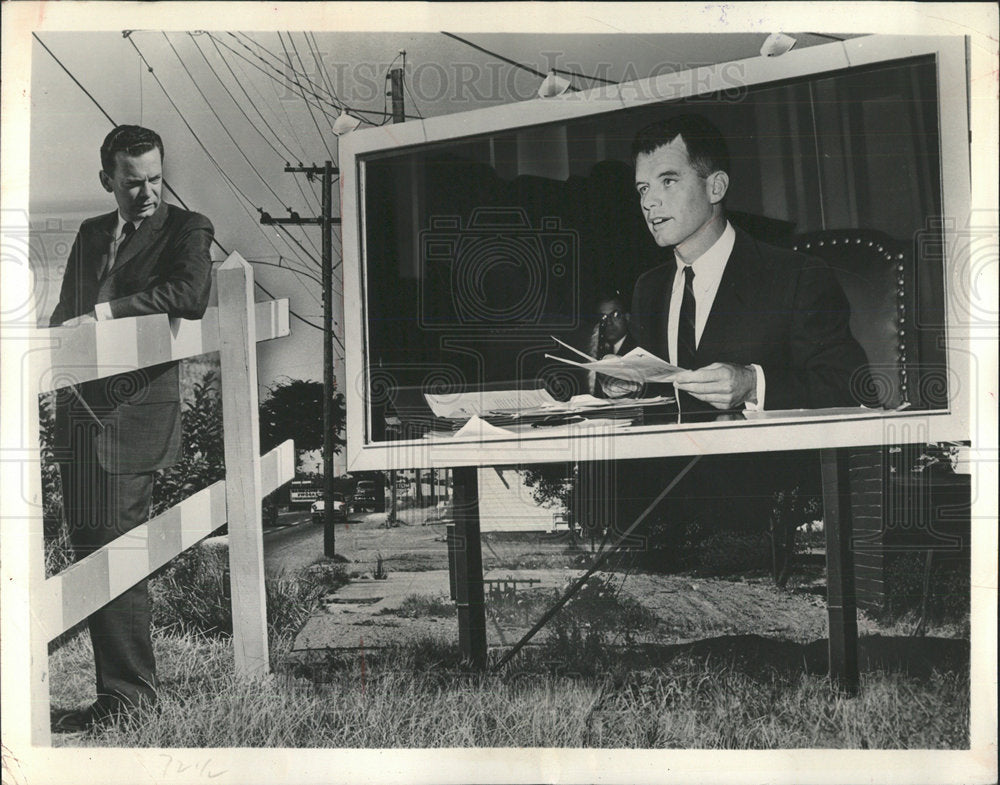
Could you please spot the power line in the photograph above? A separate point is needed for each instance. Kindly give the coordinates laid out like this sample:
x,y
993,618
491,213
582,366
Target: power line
x,y
322,136
289,124
222,124
76,81
286,269
252,124
239,83
229,181
287,63
237,104
283,81
320,64
527,68
335,102
288,120
507,60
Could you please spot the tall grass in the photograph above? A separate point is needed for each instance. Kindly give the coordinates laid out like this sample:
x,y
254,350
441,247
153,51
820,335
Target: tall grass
x,y
421,696
192,594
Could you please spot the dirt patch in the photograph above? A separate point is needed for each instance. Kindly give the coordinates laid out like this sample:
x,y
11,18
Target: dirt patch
x,y
684,608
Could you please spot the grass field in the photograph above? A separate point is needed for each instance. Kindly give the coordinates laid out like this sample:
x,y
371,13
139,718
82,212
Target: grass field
x,y
421,696
599,679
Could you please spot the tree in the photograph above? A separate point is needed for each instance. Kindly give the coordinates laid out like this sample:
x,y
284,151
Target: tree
x,y
552,483
791,509
293,409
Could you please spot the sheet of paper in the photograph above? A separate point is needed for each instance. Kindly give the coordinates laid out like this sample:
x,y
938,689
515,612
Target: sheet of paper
x,y
481,429
636,366
585,402
480,402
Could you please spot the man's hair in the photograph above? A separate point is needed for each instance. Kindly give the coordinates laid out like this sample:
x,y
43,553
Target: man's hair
x,y
609,296
129,139
705,144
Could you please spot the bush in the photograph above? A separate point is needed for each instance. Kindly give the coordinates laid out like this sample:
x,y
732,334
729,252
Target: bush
x,y
948,595
203,461
725,552
192,594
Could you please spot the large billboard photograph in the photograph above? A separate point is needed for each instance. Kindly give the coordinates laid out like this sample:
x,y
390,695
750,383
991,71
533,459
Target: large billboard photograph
x,y
519,264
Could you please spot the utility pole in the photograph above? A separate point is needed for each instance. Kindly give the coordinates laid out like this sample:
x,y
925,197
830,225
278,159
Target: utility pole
x,y
396,92
398,116
326,222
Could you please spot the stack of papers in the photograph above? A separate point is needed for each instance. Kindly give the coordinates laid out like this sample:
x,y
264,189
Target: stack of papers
x,y
482,402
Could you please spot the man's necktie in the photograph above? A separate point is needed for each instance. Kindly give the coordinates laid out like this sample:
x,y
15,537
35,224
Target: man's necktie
x,y
685,327
128,229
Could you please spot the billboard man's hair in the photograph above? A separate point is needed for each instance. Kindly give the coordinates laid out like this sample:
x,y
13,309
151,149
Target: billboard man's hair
x,y
705,144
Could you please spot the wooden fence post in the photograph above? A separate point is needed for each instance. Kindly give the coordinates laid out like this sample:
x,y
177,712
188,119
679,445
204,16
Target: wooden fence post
x,y
240,414
25,672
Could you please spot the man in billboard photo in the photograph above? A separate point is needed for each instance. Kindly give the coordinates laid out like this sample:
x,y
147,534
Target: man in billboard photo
x,y
112,434
753,326
611,335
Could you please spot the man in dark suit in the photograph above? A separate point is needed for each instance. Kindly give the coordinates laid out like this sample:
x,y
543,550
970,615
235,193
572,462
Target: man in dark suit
x,y
611,335
112,434
753,326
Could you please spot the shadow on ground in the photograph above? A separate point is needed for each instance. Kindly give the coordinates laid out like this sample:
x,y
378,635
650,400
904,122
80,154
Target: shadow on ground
x,y
755,654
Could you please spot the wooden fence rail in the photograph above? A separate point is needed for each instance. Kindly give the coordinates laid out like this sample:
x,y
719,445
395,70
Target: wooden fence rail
x,y
60,356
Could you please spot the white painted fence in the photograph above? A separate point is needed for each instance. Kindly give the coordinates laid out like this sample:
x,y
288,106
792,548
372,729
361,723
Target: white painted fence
x,y
60,355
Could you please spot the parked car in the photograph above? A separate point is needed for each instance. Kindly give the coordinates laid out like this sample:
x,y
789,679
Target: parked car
x,y
363,499
318,509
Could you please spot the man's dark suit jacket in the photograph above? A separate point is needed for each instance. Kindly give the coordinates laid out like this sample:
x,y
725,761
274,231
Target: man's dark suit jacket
x,y
164,267
776,308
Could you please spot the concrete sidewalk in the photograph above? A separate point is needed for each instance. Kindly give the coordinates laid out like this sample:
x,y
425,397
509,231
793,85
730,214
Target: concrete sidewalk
x,y
360,614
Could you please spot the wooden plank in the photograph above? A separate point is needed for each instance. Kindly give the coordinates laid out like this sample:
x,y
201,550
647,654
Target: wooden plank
x,y
469,568
67,355
72,595
841,598
240,415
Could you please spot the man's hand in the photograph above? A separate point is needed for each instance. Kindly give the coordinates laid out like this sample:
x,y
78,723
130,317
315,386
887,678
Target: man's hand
x,y
85,318
723,385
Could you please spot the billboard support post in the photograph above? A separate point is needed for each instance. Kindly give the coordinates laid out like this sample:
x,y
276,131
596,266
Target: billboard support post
x,y
841,600
468,559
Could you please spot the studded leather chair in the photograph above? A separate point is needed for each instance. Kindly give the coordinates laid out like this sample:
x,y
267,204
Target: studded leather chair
x,y
875,271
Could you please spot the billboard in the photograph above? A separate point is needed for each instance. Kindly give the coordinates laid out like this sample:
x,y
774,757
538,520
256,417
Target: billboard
x,y
483,251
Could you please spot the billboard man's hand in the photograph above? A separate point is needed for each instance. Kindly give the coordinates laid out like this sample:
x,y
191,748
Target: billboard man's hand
x,y
723,385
